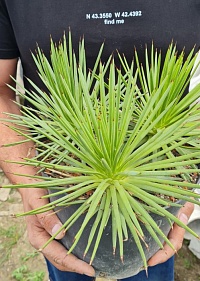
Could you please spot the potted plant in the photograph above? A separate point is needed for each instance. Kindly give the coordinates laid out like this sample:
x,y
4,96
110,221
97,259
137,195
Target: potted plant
x,y
118,150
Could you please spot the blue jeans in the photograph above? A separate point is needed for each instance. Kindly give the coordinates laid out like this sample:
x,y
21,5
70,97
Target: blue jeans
x,y
160,272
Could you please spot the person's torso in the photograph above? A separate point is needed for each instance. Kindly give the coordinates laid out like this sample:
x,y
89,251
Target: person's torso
x,y
123,25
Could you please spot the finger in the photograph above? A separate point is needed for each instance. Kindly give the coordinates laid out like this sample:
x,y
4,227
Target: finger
x,y
48,220
185,212
58,256
176,236
51,224
163,254
55,252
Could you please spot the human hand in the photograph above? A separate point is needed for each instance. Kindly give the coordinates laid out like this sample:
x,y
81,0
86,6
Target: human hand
x,y
175,236
42,226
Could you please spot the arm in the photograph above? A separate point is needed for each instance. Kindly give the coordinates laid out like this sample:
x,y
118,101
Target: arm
x,y
7,96
39,227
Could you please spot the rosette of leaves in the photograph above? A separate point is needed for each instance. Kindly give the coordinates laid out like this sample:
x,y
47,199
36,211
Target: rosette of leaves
x,y
119,143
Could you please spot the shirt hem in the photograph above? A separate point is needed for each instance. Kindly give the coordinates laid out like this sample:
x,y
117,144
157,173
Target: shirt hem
x,y
9,54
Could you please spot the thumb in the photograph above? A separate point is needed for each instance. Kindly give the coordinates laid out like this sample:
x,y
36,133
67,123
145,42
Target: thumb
x,y
176,236
185,212
48,220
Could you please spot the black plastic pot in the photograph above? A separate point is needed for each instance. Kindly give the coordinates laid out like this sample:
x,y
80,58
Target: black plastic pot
x,y
105,264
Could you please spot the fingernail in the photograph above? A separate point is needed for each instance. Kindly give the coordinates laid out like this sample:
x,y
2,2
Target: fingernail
x,y
55,229
183,218
89,273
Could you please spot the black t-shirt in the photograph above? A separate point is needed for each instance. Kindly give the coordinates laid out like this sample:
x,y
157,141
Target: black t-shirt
x,y
121,24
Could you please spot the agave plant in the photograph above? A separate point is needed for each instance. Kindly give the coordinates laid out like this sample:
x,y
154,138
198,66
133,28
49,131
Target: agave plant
x,y
120,143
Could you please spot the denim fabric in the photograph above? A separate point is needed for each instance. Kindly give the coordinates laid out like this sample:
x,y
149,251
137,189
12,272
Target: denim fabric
x,y
160,272
57,275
